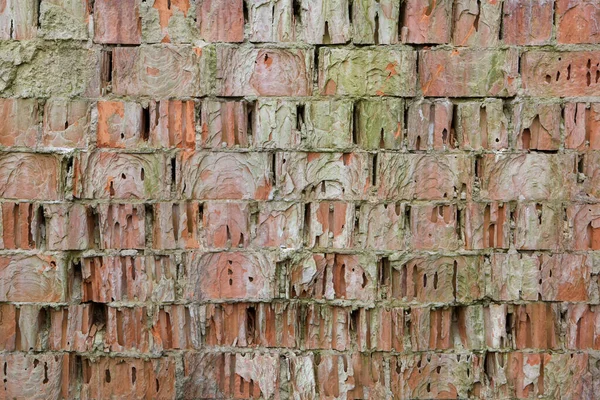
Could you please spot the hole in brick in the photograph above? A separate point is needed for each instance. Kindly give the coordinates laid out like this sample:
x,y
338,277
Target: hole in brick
x,y
297,9
476,22
326,35
568,72
418,144
245,12
548,79
407,217
374,170
107,378
249,122
175,213
112,188
133,375
376,30
46,380
382,139
157,385
173,171
435,280
526,139
538,210
384,271
250,324
355,121
454,278
478,166
145,128
274,168
106,66
445,136
201,214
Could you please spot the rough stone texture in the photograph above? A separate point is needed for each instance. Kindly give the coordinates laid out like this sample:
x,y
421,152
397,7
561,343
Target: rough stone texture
x,y
299,199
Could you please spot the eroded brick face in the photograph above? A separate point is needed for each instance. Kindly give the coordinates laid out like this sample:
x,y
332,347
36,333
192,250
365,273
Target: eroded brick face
x,y
299,199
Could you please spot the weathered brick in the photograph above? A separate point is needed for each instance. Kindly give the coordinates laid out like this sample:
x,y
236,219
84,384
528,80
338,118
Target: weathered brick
x,y
221,20
481,125
226,124
538,227
226,225
168,21
382,226
378,124
18,20
477,23
29,176
117,22
367,72
68,226
21,226
328,224
578,21
159,71
326,124
487,225
584,226
560,74
547,176
537,126
252,71
569,277
430,125
325,21
20,126
66,123
279,224
176,225
469,73
272,21
427,22
276,123
527,22
582,124
375,22
513,276
31,279
37,376
582,331
74,328
177,327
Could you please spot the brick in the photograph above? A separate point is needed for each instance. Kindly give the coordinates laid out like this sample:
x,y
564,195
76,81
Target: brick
x,y
226,124
18,20
328,224
64,19
21,226
334,276
481,125
437,227
326,124
31,279
29,176
423,176
582,332
215,176
167,123
74,328
168,22
429,125
22,327
272,22
226,225
588,174
251,71
221,20
276,123
66,123
375,22
477,23
469,73
279,224
106,377
538,227
549,177
560,74
568,277
176,327
513,276
378,124
367,72
117,22
126,329
427,22
176,225
125,278
121,176
159,71
382,226
321,175
536,326
578,21
325,21
122,226
232,275
582,122
527,23
37,376
583,226
487,225
20,122
537,126
69,226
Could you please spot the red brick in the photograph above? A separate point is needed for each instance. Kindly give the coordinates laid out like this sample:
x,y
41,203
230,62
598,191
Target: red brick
x,y
249,71
582,126
532,177
226,225
168,21
74,328
582,323
272,23
568,277
334,276
276,123
221,20
66,123
279,224
104,175
382,226
37,376
133,378
328,224
231,275
321,175
422,117
167,123
527,22
537,126
584,225
31,279
423,176
117,22
176,327
560,74
122,226
487,225
22,327
477,23
176,225
206,175
126,278
427,22
538,227
226,124
20,122
69,226
588,174
435,227
126,329
20,226
578,21
160,71
536,326
469,73
481,125
18,20
513,276
29,176
367,72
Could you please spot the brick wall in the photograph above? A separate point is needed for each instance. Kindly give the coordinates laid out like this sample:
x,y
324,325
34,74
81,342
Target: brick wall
x,y
299,199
